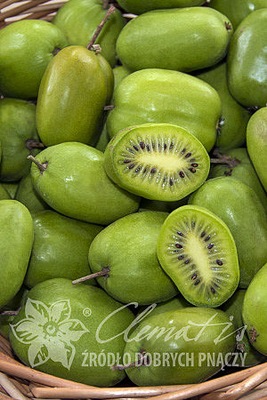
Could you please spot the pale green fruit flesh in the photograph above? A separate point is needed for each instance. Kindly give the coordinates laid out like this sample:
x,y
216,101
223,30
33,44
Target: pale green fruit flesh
x,y
60,247
255,310
197,250
157,161
179,335
128,249
62,325
16,239
75,184
240,208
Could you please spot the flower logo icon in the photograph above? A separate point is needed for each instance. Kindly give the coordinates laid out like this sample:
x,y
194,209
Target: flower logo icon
x,y
49,332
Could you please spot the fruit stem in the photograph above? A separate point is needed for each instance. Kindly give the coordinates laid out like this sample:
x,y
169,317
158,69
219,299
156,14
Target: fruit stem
x,y
42,167
104,272
34,144
224,159
99,28
9,312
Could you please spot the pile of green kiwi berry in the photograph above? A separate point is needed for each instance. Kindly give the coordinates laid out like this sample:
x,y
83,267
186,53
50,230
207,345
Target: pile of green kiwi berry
x,y
133,190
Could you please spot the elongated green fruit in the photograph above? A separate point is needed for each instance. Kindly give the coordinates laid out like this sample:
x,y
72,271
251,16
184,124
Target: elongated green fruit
x,y
71,178
257,143
178,39
247,60
141,6
164,96
76,86
16,239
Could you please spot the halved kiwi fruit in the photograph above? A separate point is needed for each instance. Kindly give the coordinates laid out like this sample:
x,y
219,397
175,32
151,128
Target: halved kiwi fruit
x,y
197,250
157,161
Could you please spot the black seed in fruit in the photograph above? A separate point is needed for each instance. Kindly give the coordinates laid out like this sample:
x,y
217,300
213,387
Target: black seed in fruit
x,y
197,281
171,182
181,174
136,147
210,246
187,261
188,155
207,238
178,245
142,145
153,170
180,233
219,262
148,147
193,170
195,165
203,234
181,257
126,161
131,166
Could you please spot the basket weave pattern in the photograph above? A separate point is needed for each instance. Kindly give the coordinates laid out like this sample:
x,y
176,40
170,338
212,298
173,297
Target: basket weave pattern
x,y
20,382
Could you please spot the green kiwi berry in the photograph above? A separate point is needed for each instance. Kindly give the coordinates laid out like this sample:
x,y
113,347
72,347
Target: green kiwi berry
x,y
197,250
157,161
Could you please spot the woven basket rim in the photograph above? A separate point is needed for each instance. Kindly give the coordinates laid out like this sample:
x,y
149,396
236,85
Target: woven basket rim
x,y
21,382
11,11
32,383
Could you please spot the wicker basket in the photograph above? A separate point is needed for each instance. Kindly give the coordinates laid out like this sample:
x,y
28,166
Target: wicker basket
x,y
20,382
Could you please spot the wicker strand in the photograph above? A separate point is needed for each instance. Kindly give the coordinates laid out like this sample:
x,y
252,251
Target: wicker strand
x,y
211,385
247,385
10,388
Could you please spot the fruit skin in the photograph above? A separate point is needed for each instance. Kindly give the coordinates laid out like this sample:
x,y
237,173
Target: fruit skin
x,y
243,171
165,96
78,20
28,196
141,277
17,121
16,239
237,10
233,308
26,49
148,189
234,117
75,184
198,295
74,89
178,333
247,60
254,310
56,252
65,325
256,137
141,44
140,6
248,228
